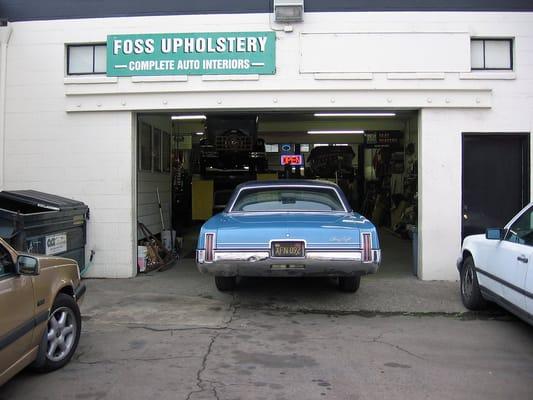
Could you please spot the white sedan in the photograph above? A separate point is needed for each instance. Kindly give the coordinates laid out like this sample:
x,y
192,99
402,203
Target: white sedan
x,y
498,267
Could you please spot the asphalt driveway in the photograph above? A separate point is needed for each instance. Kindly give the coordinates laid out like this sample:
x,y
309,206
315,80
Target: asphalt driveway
x,y
171,335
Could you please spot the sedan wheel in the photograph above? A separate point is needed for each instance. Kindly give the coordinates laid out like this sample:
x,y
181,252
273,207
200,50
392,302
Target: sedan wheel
x,y
61,336
470,292
349,284
62,329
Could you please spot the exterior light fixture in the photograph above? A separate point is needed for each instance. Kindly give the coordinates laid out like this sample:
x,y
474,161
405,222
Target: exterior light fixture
x,y
381,114
359,132
288,10
199,133
189,117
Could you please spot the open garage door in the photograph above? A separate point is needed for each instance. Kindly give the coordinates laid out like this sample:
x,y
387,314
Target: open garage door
x,y
195,160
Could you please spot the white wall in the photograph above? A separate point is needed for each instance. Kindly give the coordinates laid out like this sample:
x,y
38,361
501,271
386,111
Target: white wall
x,y
73,135
440,168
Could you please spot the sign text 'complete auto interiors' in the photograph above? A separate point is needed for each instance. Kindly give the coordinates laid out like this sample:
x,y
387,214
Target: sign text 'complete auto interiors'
x,y
191,54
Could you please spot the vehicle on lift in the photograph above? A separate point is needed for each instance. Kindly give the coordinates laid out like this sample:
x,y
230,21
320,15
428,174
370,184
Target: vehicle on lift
x,y
331,161
496,267
232,147
40,320
288,228
231,154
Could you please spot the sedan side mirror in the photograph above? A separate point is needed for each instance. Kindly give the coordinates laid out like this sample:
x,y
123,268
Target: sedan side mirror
x,y
27,265
495,233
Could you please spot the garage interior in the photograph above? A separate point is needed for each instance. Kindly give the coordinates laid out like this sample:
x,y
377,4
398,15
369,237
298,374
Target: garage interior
x,y
188,163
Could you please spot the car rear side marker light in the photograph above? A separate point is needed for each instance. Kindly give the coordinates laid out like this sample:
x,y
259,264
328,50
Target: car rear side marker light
x,y
367,247
209,246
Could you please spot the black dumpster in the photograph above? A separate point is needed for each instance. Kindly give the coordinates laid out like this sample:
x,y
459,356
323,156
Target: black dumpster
x,y
42,223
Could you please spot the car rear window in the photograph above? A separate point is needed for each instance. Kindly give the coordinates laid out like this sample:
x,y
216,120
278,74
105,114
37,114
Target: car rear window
x,y
287,199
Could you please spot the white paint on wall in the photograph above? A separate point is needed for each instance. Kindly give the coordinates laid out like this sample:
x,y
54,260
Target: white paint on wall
x,y
385,52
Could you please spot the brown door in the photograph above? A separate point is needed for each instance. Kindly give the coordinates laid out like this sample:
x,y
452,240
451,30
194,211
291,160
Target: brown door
x,y
16,313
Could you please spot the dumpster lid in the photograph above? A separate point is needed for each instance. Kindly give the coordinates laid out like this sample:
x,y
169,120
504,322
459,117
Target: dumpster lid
x,y
40,199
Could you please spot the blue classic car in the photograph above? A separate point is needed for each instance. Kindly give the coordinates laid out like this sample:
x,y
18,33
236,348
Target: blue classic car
x,y
288,228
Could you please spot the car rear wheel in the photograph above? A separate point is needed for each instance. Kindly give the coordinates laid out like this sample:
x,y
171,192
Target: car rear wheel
x,y
225,283
470,292
61,335
349,283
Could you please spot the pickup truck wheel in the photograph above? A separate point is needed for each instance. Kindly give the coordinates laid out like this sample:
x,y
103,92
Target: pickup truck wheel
x,y
61,336
470,292
349,283
225,283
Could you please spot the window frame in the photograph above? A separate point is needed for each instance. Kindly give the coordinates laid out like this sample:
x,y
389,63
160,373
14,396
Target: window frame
x,y
140,148
230,208
488,39
166,148
509,234
93,45
157,153
8,274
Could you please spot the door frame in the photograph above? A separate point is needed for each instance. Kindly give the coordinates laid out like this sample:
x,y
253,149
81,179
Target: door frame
x,y
526,157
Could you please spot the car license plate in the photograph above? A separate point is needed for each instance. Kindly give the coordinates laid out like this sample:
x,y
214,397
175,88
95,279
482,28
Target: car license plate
x,y
287,249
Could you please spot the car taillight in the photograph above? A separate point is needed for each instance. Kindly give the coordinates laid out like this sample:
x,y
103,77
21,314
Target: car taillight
x,y
366,239
209,246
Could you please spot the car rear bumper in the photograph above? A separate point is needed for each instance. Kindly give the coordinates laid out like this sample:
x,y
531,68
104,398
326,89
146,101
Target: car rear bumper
x,y
315,263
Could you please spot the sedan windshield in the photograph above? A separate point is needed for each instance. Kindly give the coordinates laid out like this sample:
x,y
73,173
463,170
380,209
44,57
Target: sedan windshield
x,y
274,199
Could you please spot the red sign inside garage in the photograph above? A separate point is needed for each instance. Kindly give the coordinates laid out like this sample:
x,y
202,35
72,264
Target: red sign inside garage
x,y
292,159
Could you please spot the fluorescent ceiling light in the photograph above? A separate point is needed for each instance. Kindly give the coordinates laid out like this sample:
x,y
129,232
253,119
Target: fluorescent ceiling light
x,y
383,114
199,133
335,132
189,117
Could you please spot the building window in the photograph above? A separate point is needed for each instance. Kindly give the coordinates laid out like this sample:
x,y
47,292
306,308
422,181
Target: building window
x,y
271,148
166,151
491,54
145,147
157,149
86,59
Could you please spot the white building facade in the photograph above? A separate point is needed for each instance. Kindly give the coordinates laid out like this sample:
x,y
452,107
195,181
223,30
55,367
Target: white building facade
x,y
75,135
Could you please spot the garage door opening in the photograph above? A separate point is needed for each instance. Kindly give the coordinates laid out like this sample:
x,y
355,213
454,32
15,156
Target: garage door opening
x,y
189,163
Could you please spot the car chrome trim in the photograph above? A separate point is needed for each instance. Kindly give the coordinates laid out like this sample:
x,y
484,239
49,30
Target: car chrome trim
x,y
334,256
22,329
294,186
505,283
311,255
251,256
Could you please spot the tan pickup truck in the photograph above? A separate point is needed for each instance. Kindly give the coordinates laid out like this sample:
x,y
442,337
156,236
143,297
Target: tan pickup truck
x,y
40,321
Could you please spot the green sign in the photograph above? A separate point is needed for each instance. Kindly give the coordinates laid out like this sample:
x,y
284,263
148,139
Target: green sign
x,y
221,53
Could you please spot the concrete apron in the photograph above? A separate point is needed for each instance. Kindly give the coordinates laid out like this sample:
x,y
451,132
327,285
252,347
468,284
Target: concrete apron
x,y
181,297
160,312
